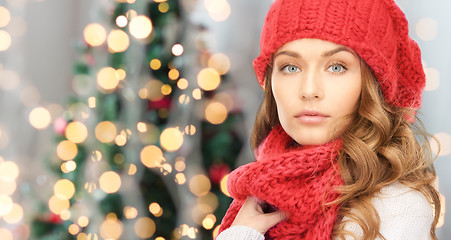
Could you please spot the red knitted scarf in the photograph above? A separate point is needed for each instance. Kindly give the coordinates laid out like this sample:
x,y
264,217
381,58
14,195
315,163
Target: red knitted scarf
x,y
298,180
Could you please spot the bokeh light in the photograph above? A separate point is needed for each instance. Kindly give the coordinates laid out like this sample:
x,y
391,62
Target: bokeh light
x,y
66,150
94,34
111,228
9,171
76,132
208,79
155,64
106,132
57,205
173,74
218,10
209,221
110,182
130,212
5,40
182,83
64,189
153,88
216,112
199,185
171,139
152,156
121,21
140,27
445,144
107,78
5,234
426,29
156,209
432,79
220,62
145,227
177,49
15,215
5,16
118,41
6,204
223,185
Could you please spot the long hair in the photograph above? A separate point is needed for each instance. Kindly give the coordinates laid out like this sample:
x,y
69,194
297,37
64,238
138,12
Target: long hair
x,y
379,148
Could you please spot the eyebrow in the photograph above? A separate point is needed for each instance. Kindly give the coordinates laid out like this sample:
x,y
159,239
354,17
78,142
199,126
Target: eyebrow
x,y
324,55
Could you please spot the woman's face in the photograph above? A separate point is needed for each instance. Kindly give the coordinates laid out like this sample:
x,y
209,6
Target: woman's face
x,y
316,85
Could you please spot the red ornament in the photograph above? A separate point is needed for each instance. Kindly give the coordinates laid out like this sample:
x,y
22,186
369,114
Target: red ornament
x,y
218,171
55,218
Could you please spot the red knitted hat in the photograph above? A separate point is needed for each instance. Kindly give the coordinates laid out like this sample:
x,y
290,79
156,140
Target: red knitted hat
x,y
377,30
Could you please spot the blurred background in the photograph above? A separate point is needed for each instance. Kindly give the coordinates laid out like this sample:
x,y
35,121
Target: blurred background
x,y
121,119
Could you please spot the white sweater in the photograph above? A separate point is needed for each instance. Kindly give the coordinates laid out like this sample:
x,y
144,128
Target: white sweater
x,y
404,213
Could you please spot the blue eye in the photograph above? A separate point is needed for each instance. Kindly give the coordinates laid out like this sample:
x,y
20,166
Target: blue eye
x,y
290,69
337,68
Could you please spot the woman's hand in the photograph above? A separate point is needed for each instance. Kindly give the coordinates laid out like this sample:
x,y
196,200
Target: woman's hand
x,y
251,215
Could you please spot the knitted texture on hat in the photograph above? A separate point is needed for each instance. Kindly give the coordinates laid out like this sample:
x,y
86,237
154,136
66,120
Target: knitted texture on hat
x,y
376,30
297,180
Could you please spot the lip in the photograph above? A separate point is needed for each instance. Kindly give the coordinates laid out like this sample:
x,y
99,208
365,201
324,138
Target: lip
x,y
311,117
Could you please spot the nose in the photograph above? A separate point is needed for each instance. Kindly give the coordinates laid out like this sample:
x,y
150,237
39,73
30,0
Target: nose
x,y
311,86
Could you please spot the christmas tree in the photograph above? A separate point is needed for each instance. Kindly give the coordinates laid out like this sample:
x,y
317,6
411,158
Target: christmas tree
x,y
145,145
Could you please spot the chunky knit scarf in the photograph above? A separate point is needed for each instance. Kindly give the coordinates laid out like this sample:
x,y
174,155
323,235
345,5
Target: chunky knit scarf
x,y
298,180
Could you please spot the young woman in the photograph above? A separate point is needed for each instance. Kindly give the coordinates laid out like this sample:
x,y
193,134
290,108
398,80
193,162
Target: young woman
x,y
336,152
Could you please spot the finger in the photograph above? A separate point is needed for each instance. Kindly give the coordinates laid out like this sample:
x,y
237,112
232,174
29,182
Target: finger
x,y
271,219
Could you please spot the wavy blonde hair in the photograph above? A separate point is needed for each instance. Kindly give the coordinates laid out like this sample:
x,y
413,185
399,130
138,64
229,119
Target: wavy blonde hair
x,y
380,148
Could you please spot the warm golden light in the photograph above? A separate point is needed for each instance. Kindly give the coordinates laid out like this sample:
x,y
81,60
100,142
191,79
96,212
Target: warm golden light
x,y
5,234
154,90
184,99
132,169
190,130
155,64
5,40
121,73
7,187
180,166
107,78
64,189
76,132
65,214
140,27
74,229
177,49
155,209
197,94
83,221
173,74
219,10
5,16
145,227
66,150
209,221
57,205
216,231
220,62
92,102
216,113
68,166
111,229
130,212
40,118
121,21
166,89
9,171
142,127
223,185
208,79
152,156
6,204
171,139
106,132
180,178
163,7
182,83
94,34
118,41
110,182
199,185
